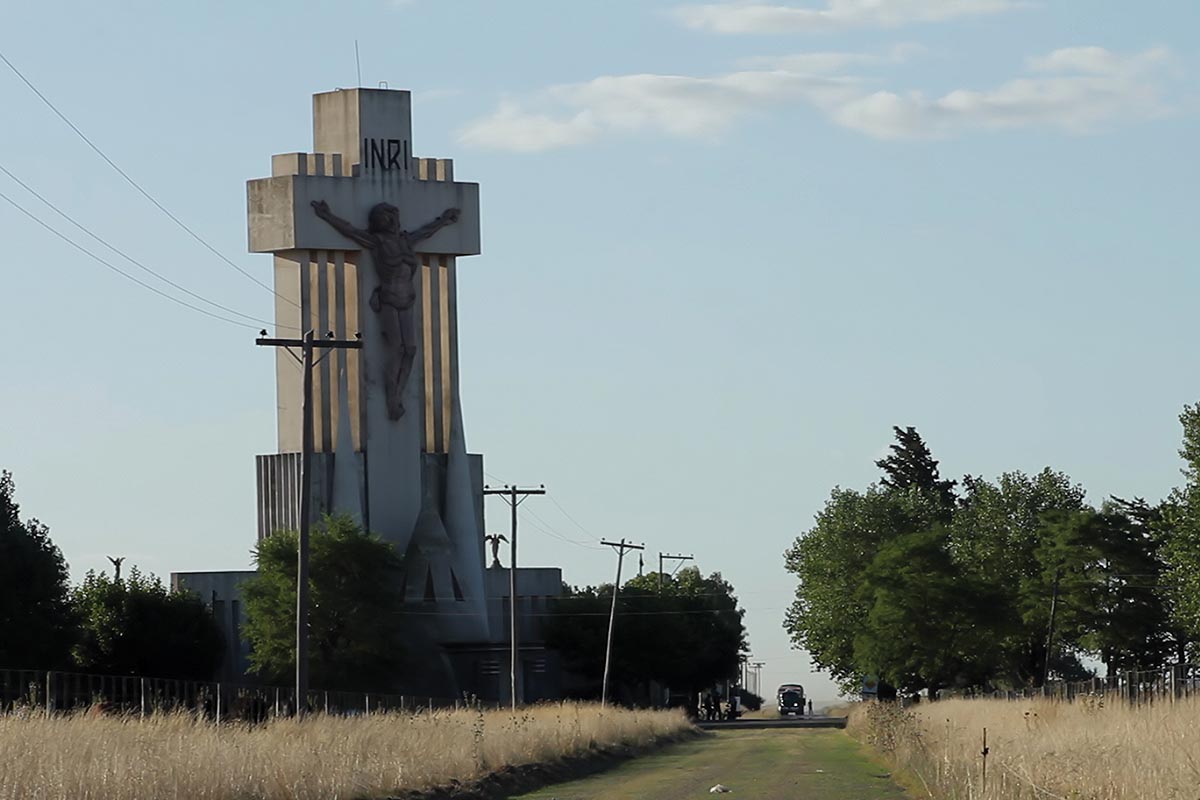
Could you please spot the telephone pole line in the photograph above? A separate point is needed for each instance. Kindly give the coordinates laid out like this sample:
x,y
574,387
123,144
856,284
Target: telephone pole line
x,y
1050,630
668,557
307,346
514,496
621,547
757,667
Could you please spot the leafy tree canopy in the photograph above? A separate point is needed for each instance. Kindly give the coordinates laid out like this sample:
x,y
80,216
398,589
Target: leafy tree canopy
x,y
1179,529
929,624
36,620
356,629
830,563
687,636
994,537
911,465
136,626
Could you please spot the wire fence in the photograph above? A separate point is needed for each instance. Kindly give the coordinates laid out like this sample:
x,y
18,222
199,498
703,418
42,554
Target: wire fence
x,y
1167,684
51,692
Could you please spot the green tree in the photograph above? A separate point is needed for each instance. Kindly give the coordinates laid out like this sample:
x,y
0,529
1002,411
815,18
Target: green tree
x,y
37,626
912,465
929,625
1101,570
136,626
687,636
356,628
830,562
994,538
1181,539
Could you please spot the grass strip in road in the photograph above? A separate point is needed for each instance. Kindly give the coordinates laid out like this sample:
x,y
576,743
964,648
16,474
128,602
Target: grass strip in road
x,y
761,764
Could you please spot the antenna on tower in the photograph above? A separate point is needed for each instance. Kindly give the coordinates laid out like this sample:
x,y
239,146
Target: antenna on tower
x,y
357,63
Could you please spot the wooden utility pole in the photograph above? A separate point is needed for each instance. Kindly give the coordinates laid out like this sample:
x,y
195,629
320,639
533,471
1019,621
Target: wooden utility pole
x,y
668,557
307,346
1050,629
621,547
757,667
514,496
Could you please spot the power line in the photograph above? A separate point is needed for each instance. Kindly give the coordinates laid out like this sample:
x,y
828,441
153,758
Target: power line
x,y
134,183
545,527
568,516
128,257
685,612
120,271
549,530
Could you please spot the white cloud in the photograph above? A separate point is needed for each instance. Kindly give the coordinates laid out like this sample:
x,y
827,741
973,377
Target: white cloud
x,y
1098,61
1077,90
826,63
751,17
677,105
511,128
1091,87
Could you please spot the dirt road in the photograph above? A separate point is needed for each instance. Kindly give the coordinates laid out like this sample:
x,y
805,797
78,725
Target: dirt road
x,y
759,764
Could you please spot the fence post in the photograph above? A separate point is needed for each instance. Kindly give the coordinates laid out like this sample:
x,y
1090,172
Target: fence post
x,y
327,703
218,702
367,699
49,705
277,701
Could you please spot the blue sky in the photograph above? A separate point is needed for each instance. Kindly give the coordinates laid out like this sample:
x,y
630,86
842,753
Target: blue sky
x,y
726,247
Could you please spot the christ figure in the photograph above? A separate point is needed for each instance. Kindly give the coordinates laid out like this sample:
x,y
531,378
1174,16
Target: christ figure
x,y
394,299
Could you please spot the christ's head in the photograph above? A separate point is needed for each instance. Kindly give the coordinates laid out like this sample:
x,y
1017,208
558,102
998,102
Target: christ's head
x,y
384,218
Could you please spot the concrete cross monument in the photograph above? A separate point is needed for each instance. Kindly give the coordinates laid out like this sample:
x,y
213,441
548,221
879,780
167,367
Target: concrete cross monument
x,y
365,238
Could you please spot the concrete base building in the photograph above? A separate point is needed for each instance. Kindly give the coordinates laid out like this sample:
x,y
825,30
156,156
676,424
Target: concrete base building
x,y
365,238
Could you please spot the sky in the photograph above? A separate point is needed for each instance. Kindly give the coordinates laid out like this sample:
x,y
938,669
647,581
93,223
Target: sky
x,y
726,247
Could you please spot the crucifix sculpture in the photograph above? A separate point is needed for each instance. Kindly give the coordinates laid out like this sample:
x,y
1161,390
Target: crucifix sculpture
x,y
395,260
335,221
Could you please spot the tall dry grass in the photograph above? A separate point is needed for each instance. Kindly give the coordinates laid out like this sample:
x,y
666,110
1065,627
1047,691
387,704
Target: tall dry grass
x,y
177,757
1040,750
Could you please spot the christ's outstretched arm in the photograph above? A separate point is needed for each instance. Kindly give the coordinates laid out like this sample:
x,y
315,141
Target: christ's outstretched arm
x,y
447,217
342,226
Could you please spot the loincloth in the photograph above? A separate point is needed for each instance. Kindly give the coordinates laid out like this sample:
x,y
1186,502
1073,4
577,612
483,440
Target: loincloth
x,y
383,296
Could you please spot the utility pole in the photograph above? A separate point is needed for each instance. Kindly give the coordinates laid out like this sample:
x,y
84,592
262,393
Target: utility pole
x,y
307,346
668,557
621,547
1050,630
514,496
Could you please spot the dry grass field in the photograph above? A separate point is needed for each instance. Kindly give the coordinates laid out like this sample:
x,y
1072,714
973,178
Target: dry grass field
x,y
173,757
1040,750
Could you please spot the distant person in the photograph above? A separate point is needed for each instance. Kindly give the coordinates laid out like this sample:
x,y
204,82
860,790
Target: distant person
x,y
810,708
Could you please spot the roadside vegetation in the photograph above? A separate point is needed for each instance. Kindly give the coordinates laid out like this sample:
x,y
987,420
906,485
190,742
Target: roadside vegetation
x,y
131,625
1005,583
1037,750
84,757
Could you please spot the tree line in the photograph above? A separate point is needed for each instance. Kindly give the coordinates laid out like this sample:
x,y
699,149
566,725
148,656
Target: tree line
x,y
135,625
930,584
131,625
683,631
